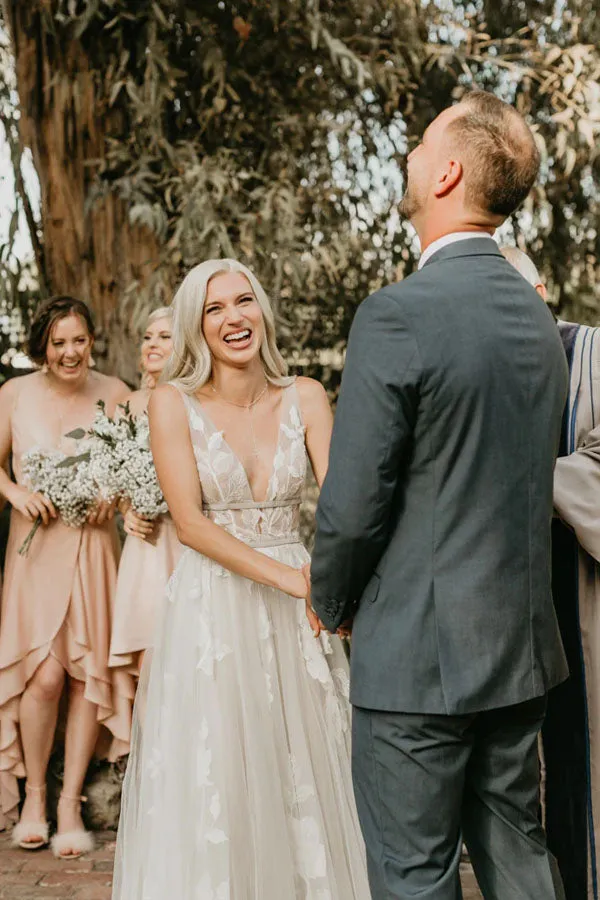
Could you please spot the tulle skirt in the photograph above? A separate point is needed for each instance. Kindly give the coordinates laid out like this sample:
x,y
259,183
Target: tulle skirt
x,y
239,784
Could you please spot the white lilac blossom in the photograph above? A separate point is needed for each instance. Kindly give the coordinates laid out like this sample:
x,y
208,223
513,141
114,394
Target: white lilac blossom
x,y
121,461
65,480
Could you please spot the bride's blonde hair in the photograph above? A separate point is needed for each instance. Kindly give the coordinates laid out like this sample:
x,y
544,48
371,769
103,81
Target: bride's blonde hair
x,y
190,363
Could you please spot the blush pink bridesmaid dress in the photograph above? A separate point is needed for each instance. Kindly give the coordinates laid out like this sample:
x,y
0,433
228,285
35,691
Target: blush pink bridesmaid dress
x,y
58,601
144,571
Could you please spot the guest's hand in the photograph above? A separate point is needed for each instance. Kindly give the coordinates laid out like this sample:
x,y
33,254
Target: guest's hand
x,y
102,512
137,526
32,504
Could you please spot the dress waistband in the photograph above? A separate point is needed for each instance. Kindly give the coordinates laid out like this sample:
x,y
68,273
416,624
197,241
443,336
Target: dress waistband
x,y
250,504
267,541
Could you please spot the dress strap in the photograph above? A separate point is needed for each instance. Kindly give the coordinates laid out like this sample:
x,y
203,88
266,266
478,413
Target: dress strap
x,y
251,504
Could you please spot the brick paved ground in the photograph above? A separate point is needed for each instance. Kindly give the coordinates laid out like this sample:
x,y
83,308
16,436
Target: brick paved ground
x,y
38,876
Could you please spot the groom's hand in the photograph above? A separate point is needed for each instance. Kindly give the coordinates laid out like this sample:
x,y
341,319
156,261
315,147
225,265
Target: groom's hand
x,y
345,629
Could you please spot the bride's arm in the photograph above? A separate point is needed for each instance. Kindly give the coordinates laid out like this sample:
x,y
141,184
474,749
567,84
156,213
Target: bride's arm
x,y
178,476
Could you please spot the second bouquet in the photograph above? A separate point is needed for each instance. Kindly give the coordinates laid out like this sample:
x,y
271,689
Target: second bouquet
x,y
121,461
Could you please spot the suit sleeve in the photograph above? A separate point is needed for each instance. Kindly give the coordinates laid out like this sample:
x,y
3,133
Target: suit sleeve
x,y
374,423
577,492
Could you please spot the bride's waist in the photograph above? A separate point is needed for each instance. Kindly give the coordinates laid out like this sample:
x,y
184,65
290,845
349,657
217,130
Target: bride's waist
x,y
259,541
273,523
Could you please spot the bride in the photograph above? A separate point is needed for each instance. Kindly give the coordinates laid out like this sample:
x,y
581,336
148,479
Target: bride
x,y
238,785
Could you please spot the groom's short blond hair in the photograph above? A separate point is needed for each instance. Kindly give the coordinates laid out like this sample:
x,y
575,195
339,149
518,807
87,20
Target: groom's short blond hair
x,y
500,156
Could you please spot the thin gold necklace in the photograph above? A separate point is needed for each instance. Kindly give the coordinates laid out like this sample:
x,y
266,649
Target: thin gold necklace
x,y
250,408
241,405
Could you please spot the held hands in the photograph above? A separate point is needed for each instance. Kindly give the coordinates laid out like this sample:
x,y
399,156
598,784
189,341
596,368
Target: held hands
x,y
137,526
345,629
313,619
32,505
296,583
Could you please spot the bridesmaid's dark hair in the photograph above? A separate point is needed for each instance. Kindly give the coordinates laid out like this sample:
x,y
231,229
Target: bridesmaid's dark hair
x,y
48,314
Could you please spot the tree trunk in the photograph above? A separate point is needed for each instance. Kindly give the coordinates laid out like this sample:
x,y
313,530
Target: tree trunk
x,y
90,249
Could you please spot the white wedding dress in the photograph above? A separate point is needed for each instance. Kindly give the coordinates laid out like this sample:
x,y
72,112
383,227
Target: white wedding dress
x,y
239,784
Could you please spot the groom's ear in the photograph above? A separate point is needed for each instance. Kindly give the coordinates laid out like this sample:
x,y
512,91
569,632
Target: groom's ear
x,y
448,178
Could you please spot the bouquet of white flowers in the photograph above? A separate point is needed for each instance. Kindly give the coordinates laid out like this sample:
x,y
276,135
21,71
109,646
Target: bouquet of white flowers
x,y
121,461
65,480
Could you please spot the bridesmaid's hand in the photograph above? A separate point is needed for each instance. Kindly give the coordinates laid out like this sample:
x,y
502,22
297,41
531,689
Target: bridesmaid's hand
x,y
137,526
32,504
102,512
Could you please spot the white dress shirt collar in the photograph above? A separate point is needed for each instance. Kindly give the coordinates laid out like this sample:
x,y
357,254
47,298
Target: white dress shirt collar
x,y
448,239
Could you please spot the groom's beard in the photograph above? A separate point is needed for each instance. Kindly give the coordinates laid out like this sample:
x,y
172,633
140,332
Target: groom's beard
x,y
411,203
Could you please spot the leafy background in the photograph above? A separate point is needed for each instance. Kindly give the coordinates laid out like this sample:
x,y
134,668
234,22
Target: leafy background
x,y
165,132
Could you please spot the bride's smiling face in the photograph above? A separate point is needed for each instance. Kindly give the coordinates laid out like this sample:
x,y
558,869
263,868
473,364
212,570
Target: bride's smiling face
x,y
232,321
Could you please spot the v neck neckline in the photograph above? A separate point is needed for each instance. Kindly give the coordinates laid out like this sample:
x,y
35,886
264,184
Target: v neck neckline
x,y
237,459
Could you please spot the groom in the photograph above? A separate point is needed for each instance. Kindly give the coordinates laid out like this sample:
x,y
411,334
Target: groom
x,y
433,530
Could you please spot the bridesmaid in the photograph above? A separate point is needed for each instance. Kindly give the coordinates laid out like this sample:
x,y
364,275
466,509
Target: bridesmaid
x,y
151,549
56,601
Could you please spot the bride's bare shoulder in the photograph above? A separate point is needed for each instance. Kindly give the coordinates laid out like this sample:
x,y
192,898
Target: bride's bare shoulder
x,y
167,404
310,391
314,402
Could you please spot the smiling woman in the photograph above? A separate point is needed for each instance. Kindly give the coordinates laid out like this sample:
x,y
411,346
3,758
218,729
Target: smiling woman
x,y
244,749
240,304
151,548
57,600
157,344
61,336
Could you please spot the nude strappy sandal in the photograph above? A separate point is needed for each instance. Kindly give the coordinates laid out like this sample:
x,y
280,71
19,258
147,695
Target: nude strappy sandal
x,y
31,835
78,842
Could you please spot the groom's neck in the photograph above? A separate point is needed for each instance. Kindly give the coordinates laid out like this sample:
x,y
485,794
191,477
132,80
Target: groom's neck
x,y
435,226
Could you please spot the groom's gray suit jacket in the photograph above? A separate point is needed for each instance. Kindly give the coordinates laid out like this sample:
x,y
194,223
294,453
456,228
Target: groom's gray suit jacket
x,y
433,526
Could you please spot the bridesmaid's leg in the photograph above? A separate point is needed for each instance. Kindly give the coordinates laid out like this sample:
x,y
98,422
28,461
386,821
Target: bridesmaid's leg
x,y
38,714
80,740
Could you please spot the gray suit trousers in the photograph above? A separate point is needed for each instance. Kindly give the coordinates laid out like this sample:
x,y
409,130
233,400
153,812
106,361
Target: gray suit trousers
x,y
425,783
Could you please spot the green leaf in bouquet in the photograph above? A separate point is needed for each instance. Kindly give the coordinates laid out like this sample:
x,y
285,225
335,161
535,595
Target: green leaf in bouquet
x,y
74,460
77,434
101,405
